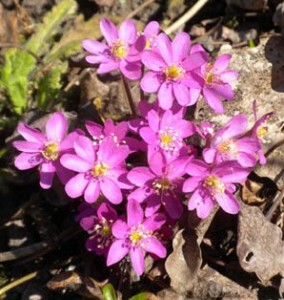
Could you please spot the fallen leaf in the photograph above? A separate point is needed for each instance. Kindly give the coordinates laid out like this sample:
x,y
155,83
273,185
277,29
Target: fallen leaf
x,y
260,247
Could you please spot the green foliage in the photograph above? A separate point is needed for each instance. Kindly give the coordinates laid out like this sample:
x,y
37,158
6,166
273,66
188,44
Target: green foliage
x,y
141,296
109,292
16,76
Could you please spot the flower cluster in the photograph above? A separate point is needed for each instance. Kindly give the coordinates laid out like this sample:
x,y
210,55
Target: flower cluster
x,y
129,206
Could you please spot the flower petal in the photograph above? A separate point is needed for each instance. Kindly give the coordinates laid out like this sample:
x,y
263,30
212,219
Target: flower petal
x,y
83,147
165,96
92,191
75,186
137,260
228,76
106,67
140,175
191,184
56,127
75,163
148,135
195,61
131,70
173,206
224,91
30,134
128,31
197,168
181,93
135,213
151,82
228,203
213,100
153,245
110,190
93,46
153,61
164,45
155,222
108,30
221,63
28,147
119,229
25,161
181,45
47,171
117,251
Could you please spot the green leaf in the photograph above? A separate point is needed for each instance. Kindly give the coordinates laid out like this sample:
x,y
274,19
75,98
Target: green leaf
x,y
38,43
109,292
49,85
144,296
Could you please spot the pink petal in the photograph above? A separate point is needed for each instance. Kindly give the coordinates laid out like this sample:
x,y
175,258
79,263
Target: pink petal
x,y
153,61
229,76
107,67
75,186
152,28
47,171
25,161
30,134
135,213
247,160
92,191
56,127
153,245
228,203
177,168
95,47
140,175
131,71
164,45
151,82
118,157
165,96
194,95
155,222
173,206
119,229
94,129
108,30
203,205
222,62
185,128
197,168
191,184
248,144
148,135
28,147
117,251
110,190
181,45
137,260
181,93
128,32
224,91
69,140
157,163
139,194
213,100
167,119
154,120
195,61
84,148
209,155
75,163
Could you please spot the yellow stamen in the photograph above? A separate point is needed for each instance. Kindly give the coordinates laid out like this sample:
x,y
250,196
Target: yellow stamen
x,y
99,169
165,138
105,231
261,131
228,147
118,49
135,237
51,151
174,73
214,184
162,184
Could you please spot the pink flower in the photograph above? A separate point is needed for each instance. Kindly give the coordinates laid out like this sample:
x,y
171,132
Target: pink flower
x,y
101,170
213,184
151,32
216,81
98,132
98,224
160,184
230,143
170,68
45,150
122,51
136,237
166,133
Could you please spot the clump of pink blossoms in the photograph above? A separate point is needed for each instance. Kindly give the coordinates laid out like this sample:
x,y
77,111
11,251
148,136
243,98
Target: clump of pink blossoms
x,y
45,149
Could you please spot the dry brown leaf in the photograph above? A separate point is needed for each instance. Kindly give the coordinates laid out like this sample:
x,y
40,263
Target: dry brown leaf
x,y
184,262
260,247
65,280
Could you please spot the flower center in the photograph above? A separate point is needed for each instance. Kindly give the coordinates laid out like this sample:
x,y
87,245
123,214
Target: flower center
x,y
169,140
214,184
99,169
105,231
261,132
50,151
174,73
162,184
228,148
119,49
210,77
135,237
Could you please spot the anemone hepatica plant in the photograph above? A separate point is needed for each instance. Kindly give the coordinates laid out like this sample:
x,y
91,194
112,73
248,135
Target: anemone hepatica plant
x,y
128,202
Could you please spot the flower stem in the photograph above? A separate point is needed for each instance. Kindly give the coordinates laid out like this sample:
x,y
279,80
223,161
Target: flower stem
x,y
17,282
129,96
